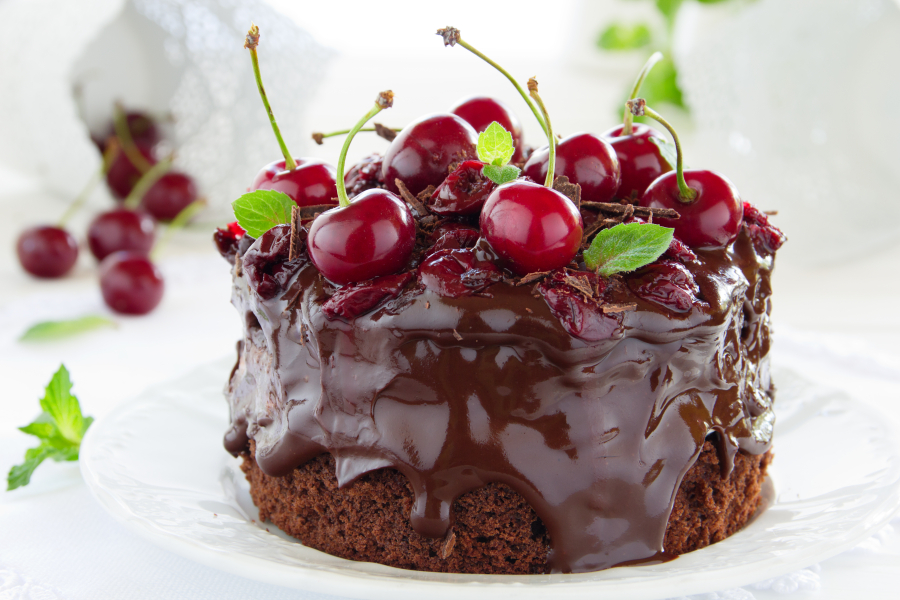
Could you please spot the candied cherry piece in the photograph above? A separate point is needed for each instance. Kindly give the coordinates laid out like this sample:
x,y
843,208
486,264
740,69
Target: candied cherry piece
x,y
457,273
532,227
307,181
372,236
227,240
481,111
453,236
364,175
353,300
121,229
710,208
171,194
766,237
422,153
463,192
639,159
130,283
666,283
46,251
266,263
580,317
585,159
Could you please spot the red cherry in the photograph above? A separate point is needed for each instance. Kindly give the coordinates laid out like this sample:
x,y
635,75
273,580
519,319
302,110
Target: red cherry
x,y
373,236
711,220
121,229
142,128
171,194
532,227
123,175
47,251
639,159
586,160
130,283
420,154
312,182
464,190
481,111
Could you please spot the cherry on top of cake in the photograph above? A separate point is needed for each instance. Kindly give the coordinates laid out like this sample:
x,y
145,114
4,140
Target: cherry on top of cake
x,y
446,207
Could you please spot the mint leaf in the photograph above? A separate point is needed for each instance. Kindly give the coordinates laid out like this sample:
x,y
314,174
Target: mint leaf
x,y
259,211
620,37
501,175
669,8
495,145
52,330
661,85
627,247
666,150
63,407
20,475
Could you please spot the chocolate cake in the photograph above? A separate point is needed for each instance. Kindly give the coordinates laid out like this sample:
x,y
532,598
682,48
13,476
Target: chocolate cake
x,y
564,424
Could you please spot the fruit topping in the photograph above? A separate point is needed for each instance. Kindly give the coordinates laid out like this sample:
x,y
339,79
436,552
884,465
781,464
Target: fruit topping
x,y
227,240
679,251
130,283
422,153
766,237
710,206
666,283
481,111
577,300
353,300
463,192
364,175
453,236
640,159
266,263
586,159
457,273
47,251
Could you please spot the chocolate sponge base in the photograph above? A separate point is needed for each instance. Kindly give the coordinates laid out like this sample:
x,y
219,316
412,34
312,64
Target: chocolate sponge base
x,y
494,532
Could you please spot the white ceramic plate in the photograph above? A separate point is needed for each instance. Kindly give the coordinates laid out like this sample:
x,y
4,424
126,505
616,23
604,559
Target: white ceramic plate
x,y
158,466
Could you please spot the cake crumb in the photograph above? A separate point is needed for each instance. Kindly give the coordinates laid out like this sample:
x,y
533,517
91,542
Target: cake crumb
x,y
528,310
457,336
449,543
427,304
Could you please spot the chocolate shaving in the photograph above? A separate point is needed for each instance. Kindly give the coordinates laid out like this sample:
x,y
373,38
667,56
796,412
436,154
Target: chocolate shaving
x,y
581,284
238,265
448,545
457,336
295,233
427,304
425,194
771,213
617,308
572,191
410,199
592,229
385,132
537,275
640,211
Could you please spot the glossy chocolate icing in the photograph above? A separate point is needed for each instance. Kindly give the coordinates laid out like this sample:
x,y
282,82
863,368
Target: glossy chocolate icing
x,y
459,392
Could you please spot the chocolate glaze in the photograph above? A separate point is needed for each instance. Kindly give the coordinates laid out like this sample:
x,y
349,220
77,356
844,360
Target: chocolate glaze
x,y
459,392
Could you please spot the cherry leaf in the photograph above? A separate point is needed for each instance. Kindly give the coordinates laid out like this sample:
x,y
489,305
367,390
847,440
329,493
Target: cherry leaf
x,y
495,145
666,150
261,210
627,247
501,175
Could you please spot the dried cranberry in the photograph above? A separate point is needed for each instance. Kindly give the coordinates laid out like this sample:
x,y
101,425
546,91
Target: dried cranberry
x,y
766,237
227,240
679,251
266,262
581,317
456,273
666,283
364,175
464,190
453,236
353,300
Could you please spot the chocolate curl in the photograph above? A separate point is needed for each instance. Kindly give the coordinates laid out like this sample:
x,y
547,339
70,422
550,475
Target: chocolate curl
x,y
295,233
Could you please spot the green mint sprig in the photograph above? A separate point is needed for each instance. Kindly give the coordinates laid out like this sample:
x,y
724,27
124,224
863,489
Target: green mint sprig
x,y
627,247
495,147
54,330
261,210
60,428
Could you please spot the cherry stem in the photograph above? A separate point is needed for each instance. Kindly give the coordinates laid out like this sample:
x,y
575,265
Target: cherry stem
x,y
551,139
180,220
112,150
147,180
451,37
252,41
318,137
384,100
638,107
628,121
120,123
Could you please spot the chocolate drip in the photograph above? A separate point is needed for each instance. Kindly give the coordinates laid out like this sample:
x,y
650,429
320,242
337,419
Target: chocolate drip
x,y
456,393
